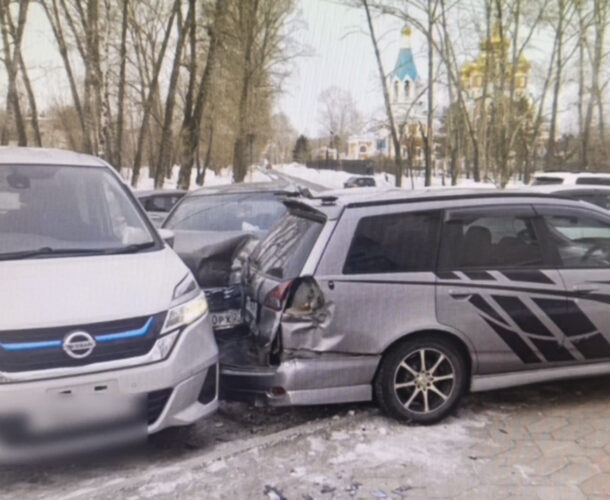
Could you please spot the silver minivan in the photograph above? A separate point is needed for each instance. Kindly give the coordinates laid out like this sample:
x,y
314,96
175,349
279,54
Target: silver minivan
x,y
414,298
101,321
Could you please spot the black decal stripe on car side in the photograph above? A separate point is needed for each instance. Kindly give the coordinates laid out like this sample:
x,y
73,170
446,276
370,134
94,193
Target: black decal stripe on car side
x,y
605,299
447,275
479,275
594,347
566,314
521,315
482,305
515,342
552,350
530,276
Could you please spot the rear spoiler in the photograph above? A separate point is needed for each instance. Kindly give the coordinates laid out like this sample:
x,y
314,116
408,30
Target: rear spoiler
x,y
302,209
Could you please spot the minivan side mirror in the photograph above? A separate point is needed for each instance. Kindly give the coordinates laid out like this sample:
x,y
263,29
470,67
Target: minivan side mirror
x,y
167,235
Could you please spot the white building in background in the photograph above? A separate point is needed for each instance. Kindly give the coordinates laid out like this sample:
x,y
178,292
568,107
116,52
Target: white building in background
x,y
407,103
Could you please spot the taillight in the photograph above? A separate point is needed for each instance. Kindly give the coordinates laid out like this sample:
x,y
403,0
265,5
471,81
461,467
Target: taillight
x,y
305,298
276,298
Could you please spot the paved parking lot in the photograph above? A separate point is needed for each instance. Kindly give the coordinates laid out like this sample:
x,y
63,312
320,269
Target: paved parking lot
x,y
548,441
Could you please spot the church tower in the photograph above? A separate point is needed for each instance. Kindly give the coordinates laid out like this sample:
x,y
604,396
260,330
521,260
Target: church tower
x,y
404,80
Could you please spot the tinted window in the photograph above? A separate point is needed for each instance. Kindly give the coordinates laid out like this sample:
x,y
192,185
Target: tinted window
x,y
158,204
394,243
580,240
480,241
541,181
283,252
251,212
594,181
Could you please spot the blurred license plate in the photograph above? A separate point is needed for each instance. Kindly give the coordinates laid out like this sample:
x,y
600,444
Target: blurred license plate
x,y
226,319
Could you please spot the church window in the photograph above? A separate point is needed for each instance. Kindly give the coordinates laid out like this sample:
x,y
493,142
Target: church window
x,y
407,89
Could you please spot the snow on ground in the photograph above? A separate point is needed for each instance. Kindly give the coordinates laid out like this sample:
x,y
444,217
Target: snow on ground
x,y
331,179
334,179
225,176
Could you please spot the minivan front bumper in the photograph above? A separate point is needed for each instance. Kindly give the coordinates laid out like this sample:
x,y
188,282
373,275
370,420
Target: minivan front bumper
x,y
178,390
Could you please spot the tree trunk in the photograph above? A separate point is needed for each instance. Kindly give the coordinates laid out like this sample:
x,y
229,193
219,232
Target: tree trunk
x,y
191,124
166,132
11,62
429,151
121,91
550,154
386,97
148,104
248,12
56,26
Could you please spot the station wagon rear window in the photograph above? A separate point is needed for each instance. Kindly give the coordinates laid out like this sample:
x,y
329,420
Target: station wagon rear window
x,y
283,253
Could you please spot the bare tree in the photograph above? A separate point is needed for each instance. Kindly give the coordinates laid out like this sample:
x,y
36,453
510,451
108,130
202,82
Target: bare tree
x,y
257,27
14,35
150,96
118,162
339,115
197,96
386,96
166,132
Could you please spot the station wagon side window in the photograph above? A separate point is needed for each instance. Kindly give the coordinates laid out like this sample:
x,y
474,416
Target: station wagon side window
x,y
405,242
490,239
580,240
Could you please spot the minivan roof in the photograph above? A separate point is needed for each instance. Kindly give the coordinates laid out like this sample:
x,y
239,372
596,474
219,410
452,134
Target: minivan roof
x,y
16,155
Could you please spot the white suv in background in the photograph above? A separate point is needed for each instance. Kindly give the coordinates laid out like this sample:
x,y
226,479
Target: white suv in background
x,y
103,330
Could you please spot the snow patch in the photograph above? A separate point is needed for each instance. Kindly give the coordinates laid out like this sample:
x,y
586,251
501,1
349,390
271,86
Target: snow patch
x,y
334,179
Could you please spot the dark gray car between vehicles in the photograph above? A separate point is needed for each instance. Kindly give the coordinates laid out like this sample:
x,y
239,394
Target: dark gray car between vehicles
x,y
215,229
413,298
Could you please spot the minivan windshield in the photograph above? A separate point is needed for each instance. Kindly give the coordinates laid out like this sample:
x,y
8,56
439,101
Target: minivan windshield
x,y
49,210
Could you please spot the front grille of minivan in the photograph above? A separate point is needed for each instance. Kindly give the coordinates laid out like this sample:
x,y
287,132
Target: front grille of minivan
x,y
43,348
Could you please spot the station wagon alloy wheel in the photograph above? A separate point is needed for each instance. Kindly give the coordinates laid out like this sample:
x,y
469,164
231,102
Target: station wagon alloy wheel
x,y
421,380
424,380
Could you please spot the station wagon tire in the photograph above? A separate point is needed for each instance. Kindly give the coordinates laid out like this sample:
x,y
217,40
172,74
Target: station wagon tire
x,y
407,392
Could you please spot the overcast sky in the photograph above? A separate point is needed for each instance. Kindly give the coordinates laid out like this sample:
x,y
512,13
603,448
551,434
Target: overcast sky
x,y
339,53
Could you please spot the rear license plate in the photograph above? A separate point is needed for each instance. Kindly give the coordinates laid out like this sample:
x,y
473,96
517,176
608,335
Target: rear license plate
x,y
226,319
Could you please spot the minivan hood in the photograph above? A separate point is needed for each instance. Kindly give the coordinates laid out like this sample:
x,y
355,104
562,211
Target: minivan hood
x,y
37,293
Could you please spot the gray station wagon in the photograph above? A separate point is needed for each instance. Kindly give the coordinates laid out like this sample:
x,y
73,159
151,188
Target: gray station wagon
x,y
414,298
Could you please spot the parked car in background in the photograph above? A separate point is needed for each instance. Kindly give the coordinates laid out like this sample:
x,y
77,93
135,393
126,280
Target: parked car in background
x,y
412,298
102,325
215,228
159,202
359,181
571,179
597,195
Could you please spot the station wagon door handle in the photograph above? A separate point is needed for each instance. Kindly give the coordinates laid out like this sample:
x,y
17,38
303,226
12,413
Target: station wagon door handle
x,y
460,295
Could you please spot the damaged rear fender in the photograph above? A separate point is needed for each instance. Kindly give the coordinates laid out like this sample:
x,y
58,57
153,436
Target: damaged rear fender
x,y
306,320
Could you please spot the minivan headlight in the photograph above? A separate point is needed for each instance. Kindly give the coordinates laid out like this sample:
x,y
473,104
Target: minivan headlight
x,y
186,313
